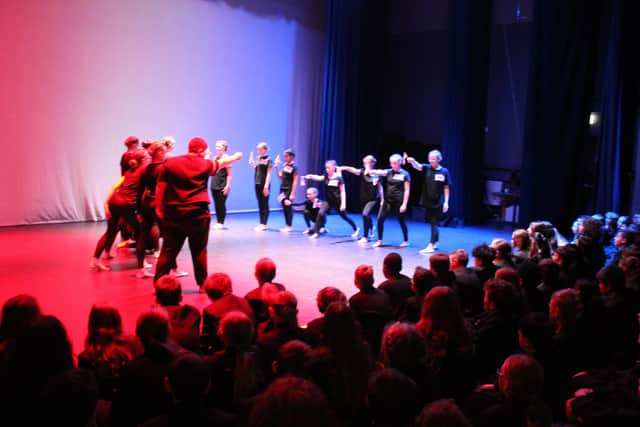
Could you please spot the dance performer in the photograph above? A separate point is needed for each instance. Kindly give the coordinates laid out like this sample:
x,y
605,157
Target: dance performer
x,y
397,187
122,202
369,192
336,195
149,223
435,195
312,206
183,206
288,181
170,143
262,168
220,185
133,145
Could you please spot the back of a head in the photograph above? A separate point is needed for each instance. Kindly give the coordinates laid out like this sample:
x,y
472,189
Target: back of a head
x,y
168,290
340,327
442,413
327,295
69,399
521,378
501,293
392,398
423,280
18,314
485,254
565,306
198,145
152,327
441,319
105,324
439,263
217,285
612,277
392,263
265,270
44,347
507,274
189,378
364,276
236,329
293,357
403,347
290,402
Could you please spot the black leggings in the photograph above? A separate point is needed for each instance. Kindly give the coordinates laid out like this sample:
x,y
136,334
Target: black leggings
x,y
433,218
148,229
367,210
324,210
385,210
263,204
288,210
220,204
128,213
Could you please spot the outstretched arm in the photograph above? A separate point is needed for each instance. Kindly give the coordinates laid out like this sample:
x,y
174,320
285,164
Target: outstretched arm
x,y
413,162
350,169
228,160
313,177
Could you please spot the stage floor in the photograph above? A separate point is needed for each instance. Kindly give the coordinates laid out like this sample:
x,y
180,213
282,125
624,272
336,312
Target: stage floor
x,y
51,262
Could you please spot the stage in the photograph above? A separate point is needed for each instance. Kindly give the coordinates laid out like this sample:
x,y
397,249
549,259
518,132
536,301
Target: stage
x,y
51,262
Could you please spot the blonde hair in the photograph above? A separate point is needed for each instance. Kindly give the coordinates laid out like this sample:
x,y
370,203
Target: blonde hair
x,y
436,153
263,145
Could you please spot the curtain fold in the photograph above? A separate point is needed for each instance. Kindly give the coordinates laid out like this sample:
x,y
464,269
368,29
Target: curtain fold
x,y
464,124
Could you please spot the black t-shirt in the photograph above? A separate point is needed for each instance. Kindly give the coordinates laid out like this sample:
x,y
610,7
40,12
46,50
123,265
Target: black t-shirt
x,y
434,182
219,180
332,188
368,187
262,167
289,172
394,185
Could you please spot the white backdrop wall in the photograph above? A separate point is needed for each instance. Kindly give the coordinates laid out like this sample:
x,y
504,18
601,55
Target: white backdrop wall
x,y
78,76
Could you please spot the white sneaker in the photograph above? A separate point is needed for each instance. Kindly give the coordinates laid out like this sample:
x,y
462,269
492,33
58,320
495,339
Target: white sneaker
x,y
377,244
286,229
98,266
156,254
435,245
307,231
143,273
147,265
313,236
355,233
176,273
218,226
260,227
404,244
363,241
324,230
428,250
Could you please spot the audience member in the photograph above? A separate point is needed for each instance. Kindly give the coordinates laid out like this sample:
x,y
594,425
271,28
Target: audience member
x,y
396,284
442,413
469,285
392,399
325,296
184,320
483,256
265,273
440,267
422,282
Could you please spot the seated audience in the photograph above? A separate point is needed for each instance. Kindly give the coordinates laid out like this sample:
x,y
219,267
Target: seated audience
x,y
469,285
371,306
392,399
238,370
265,273
521,243
422,282
292,359
282,325
442,413
184,319
504,254
440,267
495,331
551,278
291,402
530,277
570,336
325,296
69,399
483,266
18,314
449,345
141,394
219,289
631,267
188,383
396,284
106,348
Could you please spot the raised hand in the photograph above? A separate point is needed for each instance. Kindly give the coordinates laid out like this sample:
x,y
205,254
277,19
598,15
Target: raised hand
x,y
277,162
252,161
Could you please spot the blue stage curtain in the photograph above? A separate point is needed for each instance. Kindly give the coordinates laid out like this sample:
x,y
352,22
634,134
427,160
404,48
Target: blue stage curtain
x,y
353,83
560,93
617,106
464,123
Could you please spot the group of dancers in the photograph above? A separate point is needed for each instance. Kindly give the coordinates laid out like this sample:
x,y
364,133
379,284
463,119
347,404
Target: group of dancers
x,y
159,194
385,191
